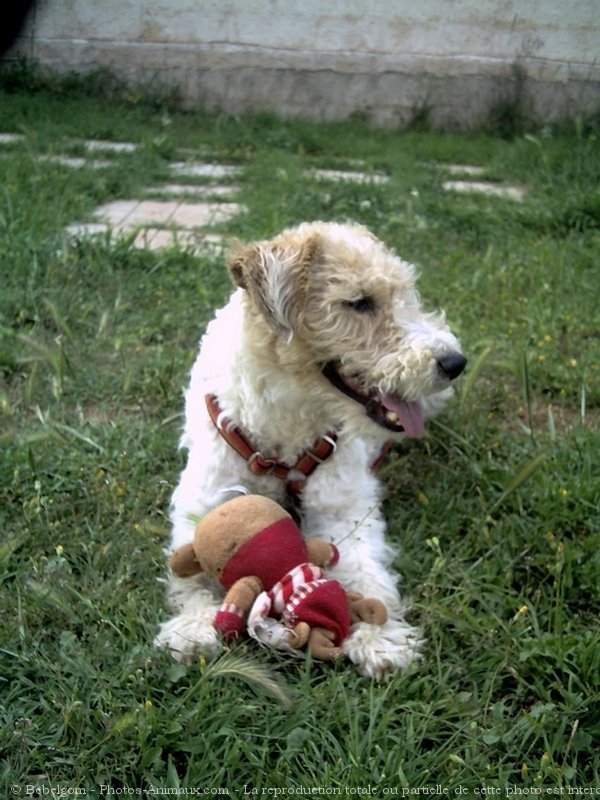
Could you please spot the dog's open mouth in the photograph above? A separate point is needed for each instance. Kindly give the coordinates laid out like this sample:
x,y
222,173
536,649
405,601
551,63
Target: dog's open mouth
x,y
387,410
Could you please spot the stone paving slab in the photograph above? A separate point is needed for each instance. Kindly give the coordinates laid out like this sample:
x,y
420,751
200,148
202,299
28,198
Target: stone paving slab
x,y
112,147
79,229
480,187
348,176
133,213
160,239
194,190
463,169
153,238
195,169
9,138
77,163
151,212
195,215
116,212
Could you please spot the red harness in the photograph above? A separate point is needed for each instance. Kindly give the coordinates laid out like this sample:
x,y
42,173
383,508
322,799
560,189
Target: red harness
x,y
295,476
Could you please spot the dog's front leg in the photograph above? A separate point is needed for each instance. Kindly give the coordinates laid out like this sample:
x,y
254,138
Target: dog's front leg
x,y
190,632
195,600
365,567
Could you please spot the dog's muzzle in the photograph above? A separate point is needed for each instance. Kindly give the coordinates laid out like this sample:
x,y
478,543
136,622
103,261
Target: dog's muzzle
x,y
387,410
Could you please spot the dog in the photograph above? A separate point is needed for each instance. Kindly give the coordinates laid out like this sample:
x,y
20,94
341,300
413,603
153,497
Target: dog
x,y
322,356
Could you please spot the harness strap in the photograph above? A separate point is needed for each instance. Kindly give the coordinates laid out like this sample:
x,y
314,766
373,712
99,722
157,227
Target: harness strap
x,y
293,476
387,446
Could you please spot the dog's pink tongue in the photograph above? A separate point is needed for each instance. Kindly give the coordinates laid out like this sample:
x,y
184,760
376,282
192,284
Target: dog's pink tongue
x,y
410,414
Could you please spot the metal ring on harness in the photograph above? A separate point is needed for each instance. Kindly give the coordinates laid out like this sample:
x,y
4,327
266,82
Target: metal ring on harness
x,y
267,466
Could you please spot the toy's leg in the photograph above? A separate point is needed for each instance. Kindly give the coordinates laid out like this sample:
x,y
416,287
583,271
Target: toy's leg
x,y
367,609
298,637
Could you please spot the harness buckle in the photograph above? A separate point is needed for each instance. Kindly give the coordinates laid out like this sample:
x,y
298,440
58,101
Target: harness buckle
x,y
331,442
260,465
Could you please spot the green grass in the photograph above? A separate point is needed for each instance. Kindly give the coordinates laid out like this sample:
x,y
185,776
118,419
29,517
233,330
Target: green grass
x,y
497,508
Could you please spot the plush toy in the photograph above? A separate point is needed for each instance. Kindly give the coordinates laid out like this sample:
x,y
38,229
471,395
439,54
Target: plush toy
x,y
273,576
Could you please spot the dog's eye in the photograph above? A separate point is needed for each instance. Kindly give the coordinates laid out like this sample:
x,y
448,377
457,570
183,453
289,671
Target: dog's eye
x,y
363,305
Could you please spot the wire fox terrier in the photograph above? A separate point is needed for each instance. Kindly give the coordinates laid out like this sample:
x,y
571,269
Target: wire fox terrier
x,y
321,357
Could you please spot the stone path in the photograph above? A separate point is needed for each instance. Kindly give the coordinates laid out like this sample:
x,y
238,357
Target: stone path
x,y
160,223
184,214
185,219
167,215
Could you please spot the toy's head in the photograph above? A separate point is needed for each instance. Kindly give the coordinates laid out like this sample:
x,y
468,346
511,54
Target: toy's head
x,y
249,535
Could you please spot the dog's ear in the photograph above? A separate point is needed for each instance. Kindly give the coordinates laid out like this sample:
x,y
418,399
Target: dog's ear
x,y
276,275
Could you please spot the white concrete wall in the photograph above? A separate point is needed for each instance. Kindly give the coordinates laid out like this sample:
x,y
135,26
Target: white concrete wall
x,y
324,59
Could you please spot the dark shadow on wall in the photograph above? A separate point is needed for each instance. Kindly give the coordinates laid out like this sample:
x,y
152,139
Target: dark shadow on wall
x,y
13,19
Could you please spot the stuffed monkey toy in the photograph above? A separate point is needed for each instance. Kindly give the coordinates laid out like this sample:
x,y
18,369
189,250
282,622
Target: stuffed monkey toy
x,y
253,547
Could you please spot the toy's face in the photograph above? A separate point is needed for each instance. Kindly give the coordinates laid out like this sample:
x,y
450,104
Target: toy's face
x,y
215,547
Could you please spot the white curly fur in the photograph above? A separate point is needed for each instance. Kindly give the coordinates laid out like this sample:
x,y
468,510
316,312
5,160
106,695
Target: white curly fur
x,y
262,357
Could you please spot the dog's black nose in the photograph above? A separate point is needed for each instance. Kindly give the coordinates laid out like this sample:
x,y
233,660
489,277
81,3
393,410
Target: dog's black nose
x,y
452,364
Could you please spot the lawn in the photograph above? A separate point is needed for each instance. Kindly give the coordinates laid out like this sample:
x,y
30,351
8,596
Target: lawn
x,y
497,508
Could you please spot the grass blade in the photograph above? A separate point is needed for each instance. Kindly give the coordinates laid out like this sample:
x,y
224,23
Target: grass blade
x,y
527,389
61,428
473,374
59,321
249,671
66,432
524,472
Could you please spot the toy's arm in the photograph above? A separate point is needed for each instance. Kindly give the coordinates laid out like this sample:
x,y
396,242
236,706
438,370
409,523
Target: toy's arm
x,y
366,609
229,620
322,553
183,561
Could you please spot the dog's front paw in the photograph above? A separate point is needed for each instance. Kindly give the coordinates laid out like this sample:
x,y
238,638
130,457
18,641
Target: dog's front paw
x,y
186,638
378,650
